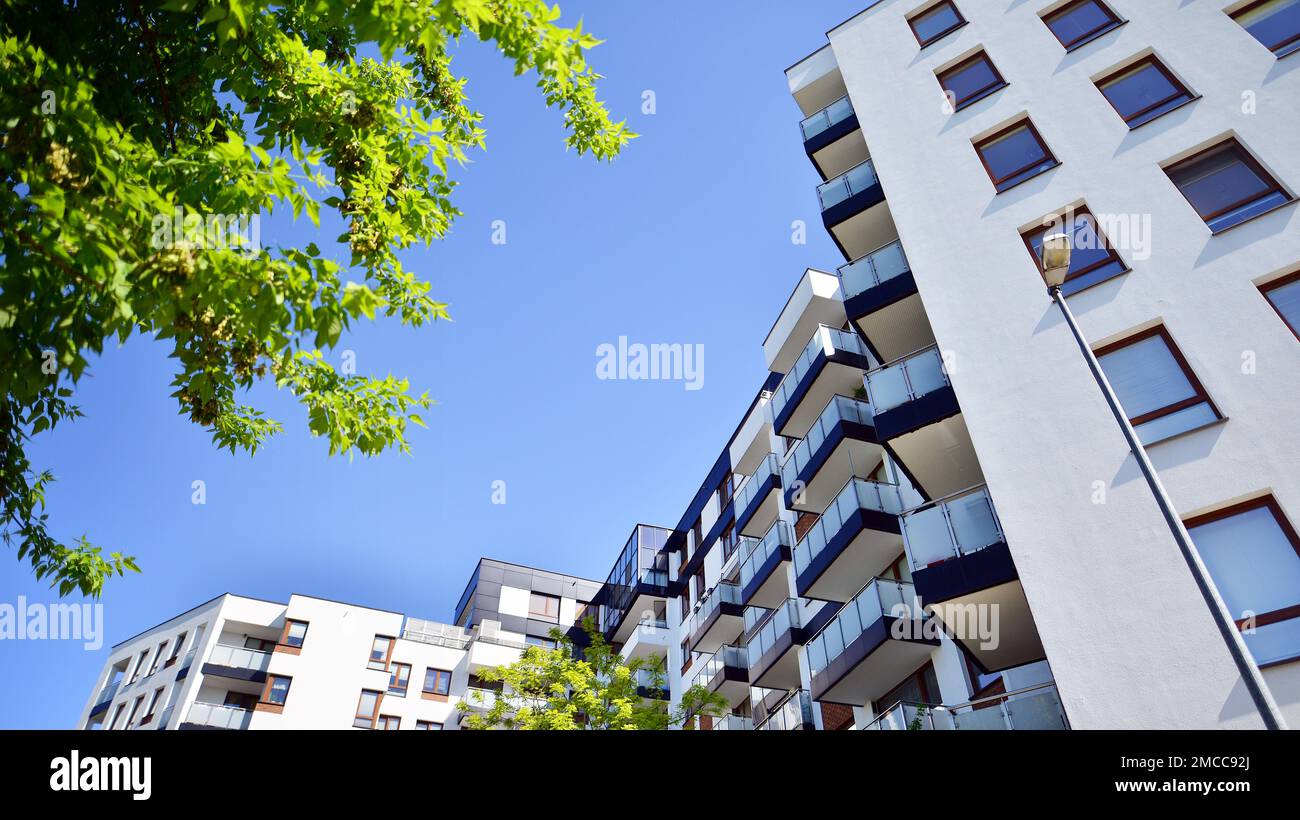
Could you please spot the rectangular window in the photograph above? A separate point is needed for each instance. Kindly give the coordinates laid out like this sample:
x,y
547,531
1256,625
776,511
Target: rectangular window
x,y
583,610
1076,24
389,723
153,705
428,725
139,666
367,709
117,715
259,644
544,643
1092,258
544,607
135,711
157,657
1284,295
277,689
969,81
176,649
1143,91
1275,23
400,679
381,651
437,681
295,632
935,23
1226,185
1014,154
1253,555
1158,391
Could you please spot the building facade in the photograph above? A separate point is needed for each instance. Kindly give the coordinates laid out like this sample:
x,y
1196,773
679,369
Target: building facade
x,y
927,516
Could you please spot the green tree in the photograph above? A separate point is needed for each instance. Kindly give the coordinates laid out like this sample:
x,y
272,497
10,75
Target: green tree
x,y
596,688
119,120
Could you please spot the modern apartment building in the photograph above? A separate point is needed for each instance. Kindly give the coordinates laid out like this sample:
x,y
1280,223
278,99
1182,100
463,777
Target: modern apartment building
x,y
927,516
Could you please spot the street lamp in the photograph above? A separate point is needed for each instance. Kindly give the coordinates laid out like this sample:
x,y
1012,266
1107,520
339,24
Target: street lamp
x,y
1056,264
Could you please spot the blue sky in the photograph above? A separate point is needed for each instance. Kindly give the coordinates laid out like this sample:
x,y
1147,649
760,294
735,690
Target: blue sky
x,y
684,239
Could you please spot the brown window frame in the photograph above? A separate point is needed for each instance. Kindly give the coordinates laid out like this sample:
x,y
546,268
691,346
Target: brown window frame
x,y
1250,161
1074,213
912,18
373,716
388,654
428,725
1287,46
542,615
283,645
264,702
1025,122
395,670
997,85
1200,395
383,721
1281,281
1114,22
440,675
1180,90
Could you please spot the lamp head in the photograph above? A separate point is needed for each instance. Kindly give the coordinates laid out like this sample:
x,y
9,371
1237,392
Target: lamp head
x,y
1056,258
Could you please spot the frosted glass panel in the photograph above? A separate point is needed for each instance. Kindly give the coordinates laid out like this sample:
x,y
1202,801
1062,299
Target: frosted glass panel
x,y
1041,710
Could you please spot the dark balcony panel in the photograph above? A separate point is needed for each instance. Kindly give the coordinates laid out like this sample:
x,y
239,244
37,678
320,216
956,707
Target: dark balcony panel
x,y
856,537
856,203
881,296
959,577
718,619
773,660
234,672
828,137
841,444
727,673
762,573
759,503
920,412
843,358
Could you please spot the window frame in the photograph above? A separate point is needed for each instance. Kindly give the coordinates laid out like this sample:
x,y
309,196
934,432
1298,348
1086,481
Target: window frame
x,y
1280,282
388,654
1253,164
998,182
440,676
1114,22
1074,213
152,708
283,643
264,700
369,721
998,84
1143,115
1285,48
176,649
395,673
912,18
1199,393
428,725
383,722
536,615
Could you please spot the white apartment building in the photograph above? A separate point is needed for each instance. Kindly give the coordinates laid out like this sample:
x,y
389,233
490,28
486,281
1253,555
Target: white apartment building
x,y
927,517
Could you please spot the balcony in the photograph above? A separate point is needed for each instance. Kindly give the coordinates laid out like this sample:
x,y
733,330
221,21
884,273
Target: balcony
x,y
757,502
650,637
727,673
857,536
717,619
875,641
832,138
880,297
841,444
832,363
814,301
638,583
773,660
763,580
216,716
650,686
736,723
792,711
1036,708
960,559
853,210
105,697
917,415
237,663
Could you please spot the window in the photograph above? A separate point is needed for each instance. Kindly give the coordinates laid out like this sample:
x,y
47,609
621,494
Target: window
x,y
135,710
153,705
277,689
1284,295
157,658
970,80
544,643
1081,22
295,632
428,725
259,644
176,649
583,610
437,681
1092,259
935,23
117,715
139,666
1014,154
1275,23
1143,91
1226,185
389,723
367,709
380,653
544,607
1253,555
1156,388
398,681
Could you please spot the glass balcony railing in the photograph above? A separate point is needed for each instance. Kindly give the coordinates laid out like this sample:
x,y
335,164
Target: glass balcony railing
x,y
957,525
785,618
858,494
881,597
794,713
853,181
870,270
833,114
218,716
108,692
825,340
1032,708
734,723
749,487
723,593
736,657
646,679
906,379
238,657
839,409
780,535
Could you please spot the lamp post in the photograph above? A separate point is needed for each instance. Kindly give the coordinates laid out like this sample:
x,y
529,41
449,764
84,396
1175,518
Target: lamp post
x,y
1056,264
